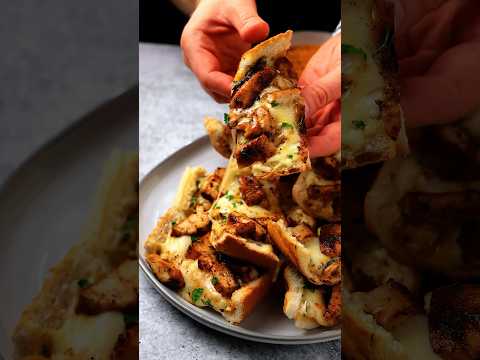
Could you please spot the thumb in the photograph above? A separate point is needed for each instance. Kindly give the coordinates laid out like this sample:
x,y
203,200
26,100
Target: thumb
x,y
244,18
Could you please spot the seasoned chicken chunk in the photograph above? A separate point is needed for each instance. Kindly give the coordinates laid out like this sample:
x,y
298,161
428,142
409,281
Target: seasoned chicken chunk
x,y
209,189
251,190
167,272
249,91
258,149
117,291
195,223
202,251
245,227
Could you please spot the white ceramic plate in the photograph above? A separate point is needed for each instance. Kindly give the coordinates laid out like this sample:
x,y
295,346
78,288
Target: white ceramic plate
x,y
267,323
47,203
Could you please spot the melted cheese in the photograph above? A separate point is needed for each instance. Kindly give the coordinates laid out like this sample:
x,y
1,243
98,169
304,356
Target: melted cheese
x,y
88,337
287,153
175,248
413,334
360,112
232,201
198,279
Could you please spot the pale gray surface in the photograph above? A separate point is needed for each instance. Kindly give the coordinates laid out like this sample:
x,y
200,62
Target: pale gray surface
x,y
172,105
60,60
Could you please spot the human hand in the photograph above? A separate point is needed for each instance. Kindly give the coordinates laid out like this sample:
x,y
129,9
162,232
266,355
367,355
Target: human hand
x,y
214,39
438,48
320,83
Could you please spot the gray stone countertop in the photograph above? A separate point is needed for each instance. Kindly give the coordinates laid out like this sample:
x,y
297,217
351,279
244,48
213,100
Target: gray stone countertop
x,y
172,105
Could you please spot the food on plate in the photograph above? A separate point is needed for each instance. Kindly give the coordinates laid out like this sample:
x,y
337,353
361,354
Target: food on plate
x,y
318,191
372,124
426,221
315,254
220,136
240,214
88,304
228,234
184,259
453,321
310,305
267,112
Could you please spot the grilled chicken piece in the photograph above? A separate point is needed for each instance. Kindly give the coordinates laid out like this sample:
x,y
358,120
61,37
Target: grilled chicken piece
x,y
251,129
258,149
116,292
263,117
246,227
327,167
209,189
195,223
301,232
126,347
331,240
251,190
285,68
245,96
167,272
334,309
388,303
202,251
454,322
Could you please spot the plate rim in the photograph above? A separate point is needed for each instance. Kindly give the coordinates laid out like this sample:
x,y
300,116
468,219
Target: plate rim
x,y
183,306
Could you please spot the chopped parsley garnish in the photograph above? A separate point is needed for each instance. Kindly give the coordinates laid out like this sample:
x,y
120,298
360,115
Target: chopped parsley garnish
x,y
359,124
194,238
274,103
290,156
226,118
286,125
216,206
215,280
350,49
193,201
130,318
83,283
229,197
207,302
174,222
197,294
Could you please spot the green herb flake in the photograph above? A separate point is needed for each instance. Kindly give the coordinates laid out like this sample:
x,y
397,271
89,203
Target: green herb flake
x,y
193,201
174,223
194,238
197,294
350,49
215,280
359,124
290,156
226,118
83,283
274,103
286,125
207,302
229,197
130,319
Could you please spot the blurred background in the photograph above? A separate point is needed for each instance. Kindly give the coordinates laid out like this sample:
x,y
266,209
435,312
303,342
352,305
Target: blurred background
x,y
300,15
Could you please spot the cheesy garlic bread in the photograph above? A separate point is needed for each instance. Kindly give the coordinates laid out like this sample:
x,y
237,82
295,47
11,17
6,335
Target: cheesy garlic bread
x,y
372,123
87,307
181,255
267,112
